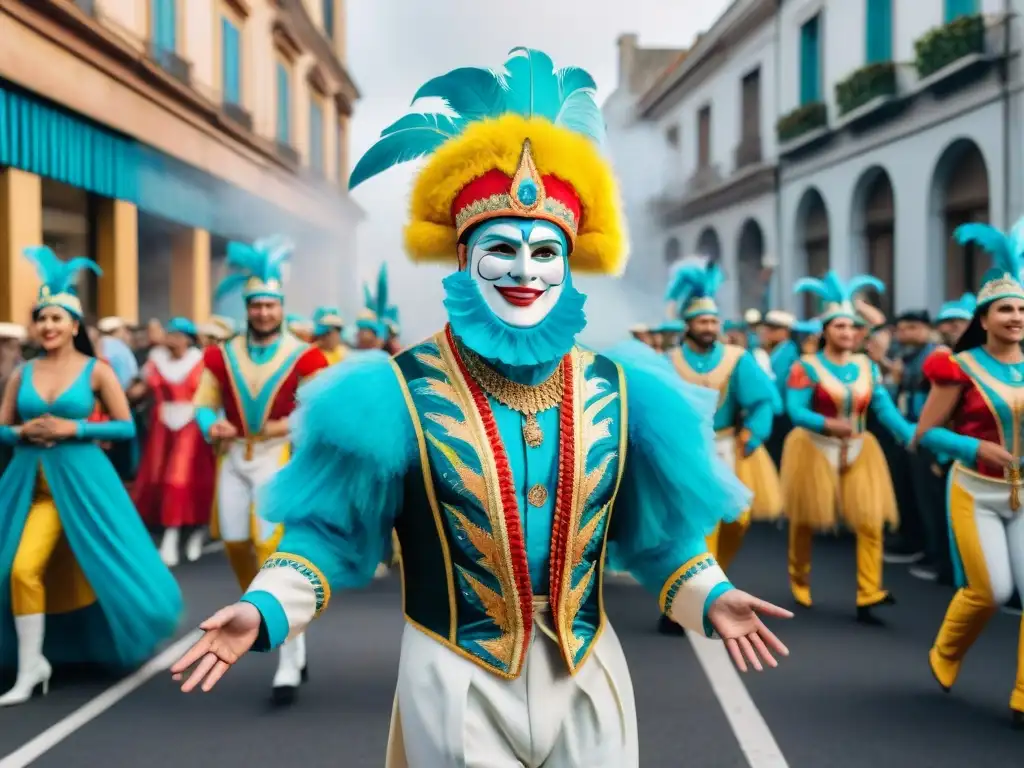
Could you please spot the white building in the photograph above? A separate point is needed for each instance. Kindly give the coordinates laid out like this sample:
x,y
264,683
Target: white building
x,y
845,134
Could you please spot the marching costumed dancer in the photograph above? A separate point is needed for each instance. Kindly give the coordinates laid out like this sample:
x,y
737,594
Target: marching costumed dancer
x,y
832,467
953,319
499,449
746,401
371,323
253,379
174,487
82,579
327,328
300,327
978,389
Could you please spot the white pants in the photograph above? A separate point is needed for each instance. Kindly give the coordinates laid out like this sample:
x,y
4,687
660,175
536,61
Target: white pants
x,y
451,713
237,484
1000,533
832,447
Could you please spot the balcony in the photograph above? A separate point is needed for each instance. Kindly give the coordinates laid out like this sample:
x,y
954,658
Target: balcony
x,y
867,84
169,61
237,114
804,126
705,178
288,153
957,53
748,152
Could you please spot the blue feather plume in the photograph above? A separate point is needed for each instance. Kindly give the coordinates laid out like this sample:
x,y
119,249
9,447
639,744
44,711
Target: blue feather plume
x,y
262,259
529,85
693,281
969,302
57,275
1005,248
831,290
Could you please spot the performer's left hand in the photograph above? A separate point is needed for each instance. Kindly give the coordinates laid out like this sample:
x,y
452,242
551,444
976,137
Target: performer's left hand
x,y
736,617
53,428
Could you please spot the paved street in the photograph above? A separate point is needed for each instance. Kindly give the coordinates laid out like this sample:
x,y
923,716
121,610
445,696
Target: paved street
x,y
848,696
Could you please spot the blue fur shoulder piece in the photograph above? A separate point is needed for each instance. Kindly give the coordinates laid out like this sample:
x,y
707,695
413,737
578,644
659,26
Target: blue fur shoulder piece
x,y
353,440
675,485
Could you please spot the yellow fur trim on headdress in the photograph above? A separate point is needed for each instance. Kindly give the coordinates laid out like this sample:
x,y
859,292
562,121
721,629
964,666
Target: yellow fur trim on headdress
x,y
601,243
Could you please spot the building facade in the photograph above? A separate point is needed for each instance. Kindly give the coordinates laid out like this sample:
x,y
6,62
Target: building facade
x,y
146,134
853,135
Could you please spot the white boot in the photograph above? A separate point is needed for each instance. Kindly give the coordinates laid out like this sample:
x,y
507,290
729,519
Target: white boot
x,y
300,656
194,546
33,668
289,674
169,547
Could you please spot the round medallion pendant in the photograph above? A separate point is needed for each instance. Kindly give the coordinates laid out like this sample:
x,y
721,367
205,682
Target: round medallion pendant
x,y
537,496
532,433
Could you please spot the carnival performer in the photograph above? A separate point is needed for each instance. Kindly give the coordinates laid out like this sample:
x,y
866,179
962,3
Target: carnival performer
x,y
978,390
499,448
641,332
808,334
300,327
83,581
746,401
327,327
776,337
175,483
953,319
253,379
832,467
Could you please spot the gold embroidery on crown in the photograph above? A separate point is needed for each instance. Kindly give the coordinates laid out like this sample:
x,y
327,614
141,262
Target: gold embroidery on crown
x,y
1003,286
527,170
502,203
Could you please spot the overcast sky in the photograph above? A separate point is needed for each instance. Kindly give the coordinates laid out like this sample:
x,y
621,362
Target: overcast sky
x,y
395,46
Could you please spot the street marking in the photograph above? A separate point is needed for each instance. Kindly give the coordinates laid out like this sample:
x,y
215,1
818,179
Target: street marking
x,y
56,733
751,731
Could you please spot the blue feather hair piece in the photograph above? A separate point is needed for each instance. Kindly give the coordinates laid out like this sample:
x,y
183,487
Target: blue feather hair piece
x,y
958,309
528,85
692,288
1005,279
258,268
837,296
376,311
59,278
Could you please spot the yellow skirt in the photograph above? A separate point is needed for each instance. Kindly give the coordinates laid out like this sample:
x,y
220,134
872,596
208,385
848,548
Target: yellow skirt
x,y
757,472
817,495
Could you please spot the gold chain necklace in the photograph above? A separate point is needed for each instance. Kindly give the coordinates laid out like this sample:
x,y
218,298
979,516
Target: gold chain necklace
x,y
522,398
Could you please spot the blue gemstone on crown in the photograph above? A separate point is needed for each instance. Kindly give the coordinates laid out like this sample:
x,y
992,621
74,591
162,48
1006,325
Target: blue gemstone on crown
x,y
526,192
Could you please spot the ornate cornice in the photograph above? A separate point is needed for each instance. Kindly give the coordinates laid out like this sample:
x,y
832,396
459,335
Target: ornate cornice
x,y
313,40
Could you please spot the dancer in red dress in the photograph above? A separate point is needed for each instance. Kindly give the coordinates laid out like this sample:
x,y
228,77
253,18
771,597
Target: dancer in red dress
x,y
175,485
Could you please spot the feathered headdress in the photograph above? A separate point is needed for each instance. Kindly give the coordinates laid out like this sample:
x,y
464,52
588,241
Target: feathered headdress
x,y
691,291
373,316
524,142
1003,280
258,268
59,278
958,309
326,319
836,296
809,327
182,325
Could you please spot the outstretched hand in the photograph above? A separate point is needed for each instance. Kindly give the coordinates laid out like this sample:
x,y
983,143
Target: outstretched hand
x,y
736,617
229,634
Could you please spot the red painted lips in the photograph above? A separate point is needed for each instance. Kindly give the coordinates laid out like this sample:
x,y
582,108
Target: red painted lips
x,y
519,296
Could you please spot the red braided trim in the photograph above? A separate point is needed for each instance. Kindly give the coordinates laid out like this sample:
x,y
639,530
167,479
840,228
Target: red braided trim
x,y
562,523
507,488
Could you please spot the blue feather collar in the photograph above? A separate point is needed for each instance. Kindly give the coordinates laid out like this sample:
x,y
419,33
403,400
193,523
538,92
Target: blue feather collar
x,y
520,349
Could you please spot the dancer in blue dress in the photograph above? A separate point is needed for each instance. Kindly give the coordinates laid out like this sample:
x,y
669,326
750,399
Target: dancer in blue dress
x,y
77,565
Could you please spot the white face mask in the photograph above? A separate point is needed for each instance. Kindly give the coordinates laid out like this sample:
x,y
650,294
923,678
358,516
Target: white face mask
x,y
520,266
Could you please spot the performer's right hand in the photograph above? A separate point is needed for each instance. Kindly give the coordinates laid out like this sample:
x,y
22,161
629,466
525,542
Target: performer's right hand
x,y
230,633
223,430
838,428
994,455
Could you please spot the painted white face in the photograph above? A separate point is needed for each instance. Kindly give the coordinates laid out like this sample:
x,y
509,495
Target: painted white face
x,y
520,266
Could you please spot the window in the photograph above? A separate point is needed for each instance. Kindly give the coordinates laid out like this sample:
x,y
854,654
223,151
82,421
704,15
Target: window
x,y
704,137
316,135
957,8
751,106
163,25
878,26
810,61
231,61
284,104
328,6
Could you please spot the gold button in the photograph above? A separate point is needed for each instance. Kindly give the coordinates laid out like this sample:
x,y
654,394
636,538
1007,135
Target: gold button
x,y
537,495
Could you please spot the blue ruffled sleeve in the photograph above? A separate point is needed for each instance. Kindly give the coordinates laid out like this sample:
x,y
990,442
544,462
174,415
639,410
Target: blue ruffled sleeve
x,y
674,488
887,412
338,496
756,394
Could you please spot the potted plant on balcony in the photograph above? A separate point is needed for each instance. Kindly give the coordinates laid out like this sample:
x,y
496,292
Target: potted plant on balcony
x,y
801,120
941,46
864,85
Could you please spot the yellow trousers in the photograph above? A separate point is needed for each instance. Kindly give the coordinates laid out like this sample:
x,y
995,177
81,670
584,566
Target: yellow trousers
x,y
727,538
988,540
247,557
44,575
869,564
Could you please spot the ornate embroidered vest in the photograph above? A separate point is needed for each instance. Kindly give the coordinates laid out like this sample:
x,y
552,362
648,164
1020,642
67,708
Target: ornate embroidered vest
x,y
466,579
851,400
717,378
